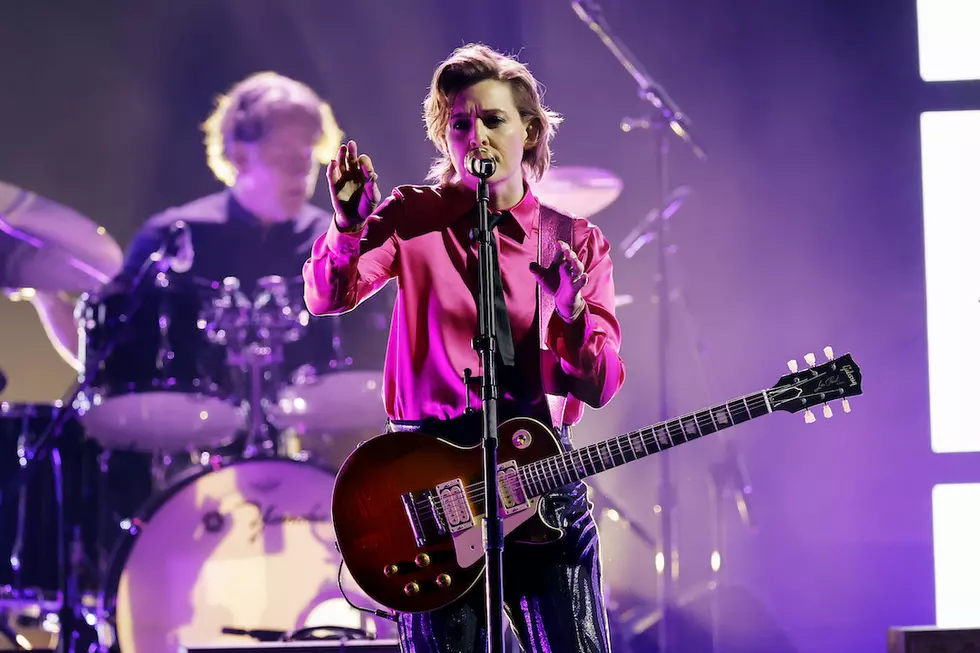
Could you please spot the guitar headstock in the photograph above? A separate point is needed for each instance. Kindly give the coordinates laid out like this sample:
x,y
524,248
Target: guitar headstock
x,y
838,378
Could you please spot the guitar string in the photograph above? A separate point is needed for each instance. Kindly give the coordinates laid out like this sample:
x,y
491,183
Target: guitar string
x,y
560,461
754,404
543,466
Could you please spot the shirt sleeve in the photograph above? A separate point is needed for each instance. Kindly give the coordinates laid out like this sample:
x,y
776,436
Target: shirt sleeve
x,y
588,347
345,268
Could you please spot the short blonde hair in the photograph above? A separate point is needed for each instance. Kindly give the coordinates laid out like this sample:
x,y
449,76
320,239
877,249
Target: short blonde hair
x,y
243,114
474,63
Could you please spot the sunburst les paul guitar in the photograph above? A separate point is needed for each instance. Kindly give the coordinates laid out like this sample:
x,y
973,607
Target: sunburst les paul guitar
x,y
408,507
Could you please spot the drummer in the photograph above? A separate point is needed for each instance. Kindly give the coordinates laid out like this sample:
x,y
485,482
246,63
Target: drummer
x,y
265,141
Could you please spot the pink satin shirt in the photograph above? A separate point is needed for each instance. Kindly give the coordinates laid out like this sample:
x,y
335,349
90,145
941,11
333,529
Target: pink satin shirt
x,y
420,236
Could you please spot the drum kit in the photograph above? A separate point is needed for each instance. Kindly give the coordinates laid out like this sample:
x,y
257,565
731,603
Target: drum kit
x,y
181,491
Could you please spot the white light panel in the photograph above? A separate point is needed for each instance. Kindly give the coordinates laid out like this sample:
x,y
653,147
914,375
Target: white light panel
x,y
949,40
956,551
951,210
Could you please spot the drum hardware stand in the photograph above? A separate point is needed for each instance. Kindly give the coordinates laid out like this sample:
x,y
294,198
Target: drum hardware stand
x,y
254,332
69,553
667,118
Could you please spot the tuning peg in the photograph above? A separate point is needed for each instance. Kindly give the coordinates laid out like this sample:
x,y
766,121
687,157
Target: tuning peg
x,y
810,359
827,412
793,367
809,417
846,405
828,351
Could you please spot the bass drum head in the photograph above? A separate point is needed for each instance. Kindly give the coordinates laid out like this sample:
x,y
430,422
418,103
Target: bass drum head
x,y
248,545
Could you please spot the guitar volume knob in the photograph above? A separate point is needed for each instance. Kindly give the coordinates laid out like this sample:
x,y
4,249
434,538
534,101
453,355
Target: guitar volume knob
x,y
423,560
444,580
411,589
390,570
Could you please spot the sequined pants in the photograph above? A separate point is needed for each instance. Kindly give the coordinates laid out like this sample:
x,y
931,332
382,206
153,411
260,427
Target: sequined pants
x,y
552,592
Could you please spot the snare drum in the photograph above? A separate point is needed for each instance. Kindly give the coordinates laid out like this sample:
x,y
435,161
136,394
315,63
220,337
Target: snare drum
x,y
248,545
165,384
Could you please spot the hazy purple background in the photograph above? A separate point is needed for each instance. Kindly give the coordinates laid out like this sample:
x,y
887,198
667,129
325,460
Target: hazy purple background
x,y
804,230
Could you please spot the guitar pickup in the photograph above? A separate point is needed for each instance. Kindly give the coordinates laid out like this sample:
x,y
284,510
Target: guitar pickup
x,y
424,515
513,498
456,512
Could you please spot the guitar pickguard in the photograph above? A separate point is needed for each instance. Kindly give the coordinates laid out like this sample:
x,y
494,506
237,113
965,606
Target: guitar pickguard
x,y
469,543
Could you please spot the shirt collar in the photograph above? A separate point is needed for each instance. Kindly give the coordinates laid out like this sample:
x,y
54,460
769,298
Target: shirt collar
x,y
525,212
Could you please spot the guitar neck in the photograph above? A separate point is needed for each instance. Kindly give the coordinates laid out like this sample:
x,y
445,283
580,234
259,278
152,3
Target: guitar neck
x,y
551,473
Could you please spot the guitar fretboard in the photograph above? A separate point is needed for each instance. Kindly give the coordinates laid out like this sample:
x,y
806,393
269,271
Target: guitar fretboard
x,y
554,472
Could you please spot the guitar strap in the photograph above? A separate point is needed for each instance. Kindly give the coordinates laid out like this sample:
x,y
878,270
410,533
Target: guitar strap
x,y
553,226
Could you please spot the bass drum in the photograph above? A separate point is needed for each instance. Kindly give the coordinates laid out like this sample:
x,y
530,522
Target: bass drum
x,y
247,545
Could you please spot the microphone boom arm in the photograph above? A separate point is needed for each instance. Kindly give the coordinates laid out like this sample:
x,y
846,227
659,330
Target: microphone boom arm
x,y
668,111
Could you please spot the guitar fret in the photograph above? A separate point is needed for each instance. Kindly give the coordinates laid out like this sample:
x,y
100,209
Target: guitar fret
x,y
708,427
768,405
619,445
720,415
689,424
758,409
536,477
635,437
587,460
671,426
648,432
739,415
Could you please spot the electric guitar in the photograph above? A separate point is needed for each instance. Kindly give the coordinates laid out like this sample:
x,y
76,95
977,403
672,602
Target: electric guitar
x,y
408,507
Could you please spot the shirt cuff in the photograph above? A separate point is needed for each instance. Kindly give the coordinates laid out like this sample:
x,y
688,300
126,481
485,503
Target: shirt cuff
x,y
337,243
567,339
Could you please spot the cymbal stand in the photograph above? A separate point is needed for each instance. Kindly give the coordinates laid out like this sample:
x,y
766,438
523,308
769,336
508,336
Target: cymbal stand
x,y
667,119
277,320
230,325
254,332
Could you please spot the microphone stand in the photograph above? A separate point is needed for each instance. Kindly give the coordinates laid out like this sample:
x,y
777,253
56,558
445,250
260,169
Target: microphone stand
x,y
667,115
486,344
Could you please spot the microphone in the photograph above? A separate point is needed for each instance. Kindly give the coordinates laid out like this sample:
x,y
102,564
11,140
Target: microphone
x,y
177,251
480,164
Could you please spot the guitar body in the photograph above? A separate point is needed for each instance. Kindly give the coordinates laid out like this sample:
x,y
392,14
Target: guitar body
x,y
374,528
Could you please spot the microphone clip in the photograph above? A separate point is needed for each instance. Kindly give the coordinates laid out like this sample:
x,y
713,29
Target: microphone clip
x,y
480,164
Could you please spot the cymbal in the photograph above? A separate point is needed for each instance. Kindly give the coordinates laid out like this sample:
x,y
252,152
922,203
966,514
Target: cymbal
x,y
578,190
47,246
